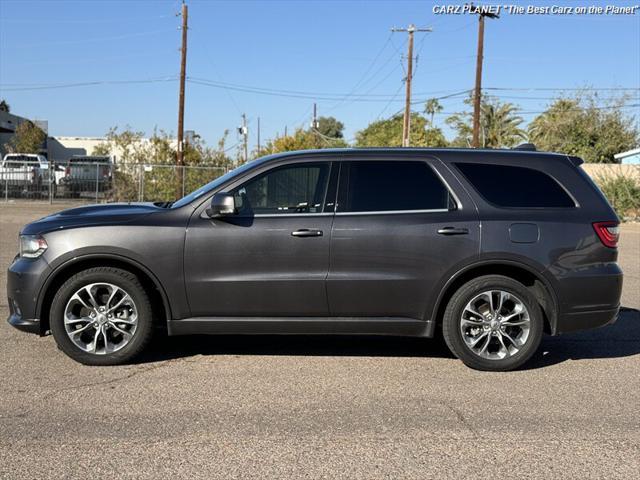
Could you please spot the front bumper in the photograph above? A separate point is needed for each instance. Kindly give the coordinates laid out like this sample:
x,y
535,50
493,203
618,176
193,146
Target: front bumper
x,y
29,326
24,281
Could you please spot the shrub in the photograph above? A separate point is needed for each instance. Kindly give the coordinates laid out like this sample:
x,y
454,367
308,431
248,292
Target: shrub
x,y
623,192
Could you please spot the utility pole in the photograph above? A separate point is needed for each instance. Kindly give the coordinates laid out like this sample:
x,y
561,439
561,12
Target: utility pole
x,y
406,124
183,73
244,131
314,122
259,146
475,142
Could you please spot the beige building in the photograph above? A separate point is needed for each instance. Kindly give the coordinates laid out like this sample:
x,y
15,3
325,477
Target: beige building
x,y
60,149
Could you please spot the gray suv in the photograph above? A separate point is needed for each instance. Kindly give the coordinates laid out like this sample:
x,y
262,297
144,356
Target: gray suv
x,y
492,247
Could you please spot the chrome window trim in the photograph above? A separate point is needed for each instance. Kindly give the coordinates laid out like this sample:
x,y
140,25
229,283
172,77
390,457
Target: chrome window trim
x,y
280,215
396,212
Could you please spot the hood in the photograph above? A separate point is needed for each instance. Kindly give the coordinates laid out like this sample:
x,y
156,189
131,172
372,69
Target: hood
x,y
91,215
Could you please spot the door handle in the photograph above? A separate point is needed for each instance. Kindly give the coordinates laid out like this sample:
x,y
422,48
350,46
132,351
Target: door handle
x,y
307,232
453,231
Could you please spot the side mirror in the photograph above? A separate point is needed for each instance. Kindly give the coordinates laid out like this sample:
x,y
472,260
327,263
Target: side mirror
x,y
222,205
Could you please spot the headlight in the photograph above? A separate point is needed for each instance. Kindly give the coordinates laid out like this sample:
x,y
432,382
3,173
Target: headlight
x,y
32,246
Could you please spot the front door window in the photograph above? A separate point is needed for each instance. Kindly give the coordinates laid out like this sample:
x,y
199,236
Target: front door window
x,y
299,188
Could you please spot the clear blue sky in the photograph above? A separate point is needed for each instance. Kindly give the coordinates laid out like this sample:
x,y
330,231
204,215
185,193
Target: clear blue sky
x,y
335,47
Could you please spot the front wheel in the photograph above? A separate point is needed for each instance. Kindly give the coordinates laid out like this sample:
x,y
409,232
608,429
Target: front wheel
x,y
493,323
102,316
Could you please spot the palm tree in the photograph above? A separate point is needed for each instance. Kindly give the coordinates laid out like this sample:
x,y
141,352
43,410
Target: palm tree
x,y
500,125
431,107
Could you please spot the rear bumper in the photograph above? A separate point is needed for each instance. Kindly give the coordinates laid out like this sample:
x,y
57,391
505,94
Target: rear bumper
x,y
573,322
589,298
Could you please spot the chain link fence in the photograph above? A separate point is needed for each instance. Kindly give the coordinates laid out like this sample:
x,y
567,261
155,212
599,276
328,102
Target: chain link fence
x,y
101,181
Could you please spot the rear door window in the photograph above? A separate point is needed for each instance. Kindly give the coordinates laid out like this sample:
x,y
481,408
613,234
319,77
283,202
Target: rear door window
x,y
515,187
395,185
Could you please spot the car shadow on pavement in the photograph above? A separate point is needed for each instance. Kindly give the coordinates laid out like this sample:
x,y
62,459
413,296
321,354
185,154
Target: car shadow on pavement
x,y
295,345
621,339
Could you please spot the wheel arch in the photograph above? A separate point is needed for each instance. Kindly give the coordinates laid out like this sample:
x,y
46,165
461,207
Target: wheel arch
x,y
159,299
533,279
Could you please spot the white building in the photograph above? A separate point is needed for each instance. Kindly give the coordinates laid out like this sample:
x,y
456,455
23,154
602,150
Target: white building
x,y
632,157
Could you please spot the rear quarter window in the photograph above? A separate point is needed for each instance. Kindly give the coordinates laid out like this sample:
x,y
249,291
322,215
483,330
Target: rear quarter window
x,y
515,187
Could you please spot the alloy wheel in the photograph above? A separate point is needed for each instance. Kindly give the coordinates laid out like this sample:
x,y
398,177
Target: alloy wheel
x,y
100,318
495,324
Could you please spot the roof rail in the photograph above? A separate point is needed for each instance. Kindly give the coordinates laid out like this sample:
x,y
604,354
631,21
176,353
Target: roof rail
x,y
530,147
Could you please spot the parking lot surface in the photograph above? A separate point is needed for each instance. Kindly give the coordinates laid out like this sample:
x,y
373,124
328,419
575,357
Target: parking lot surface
x,y
321,407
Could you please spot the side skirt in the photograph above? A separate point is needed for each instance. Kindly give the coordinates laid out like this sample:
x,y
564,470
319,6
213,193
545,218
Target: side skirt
x,y
406,327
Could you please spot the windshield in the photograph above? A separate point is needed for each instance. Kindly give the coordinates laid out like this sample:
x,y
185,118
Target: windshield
x,y
212,185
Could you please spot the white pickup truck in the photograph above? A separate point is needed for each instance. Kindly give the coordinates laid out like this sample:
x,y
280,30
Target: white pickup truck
x,y
27,174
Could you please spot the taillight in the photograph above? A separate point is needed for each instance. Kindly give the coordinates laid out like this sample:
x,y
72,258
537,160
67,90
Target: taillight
x,y
105,172
33,174
67,171
608,233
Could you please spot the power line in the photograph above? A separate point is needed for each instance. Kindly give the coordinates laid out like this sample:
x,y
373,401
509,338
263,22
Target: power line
x,y
95,59
391,72
91,40
551,89
375,74
444,97
86,84
355,98
537,112
56,21
390,102
215,71
366,72
368,97
279,91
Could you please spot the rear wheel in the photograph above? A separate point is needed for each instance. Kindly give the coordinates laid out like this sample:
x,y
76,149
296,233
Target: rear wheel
x,y
102,316
493,323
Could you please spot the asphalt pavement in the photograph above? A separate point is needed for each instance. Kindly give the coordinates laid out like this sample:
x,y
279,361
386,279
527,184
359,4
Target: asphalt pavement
x,y
321,407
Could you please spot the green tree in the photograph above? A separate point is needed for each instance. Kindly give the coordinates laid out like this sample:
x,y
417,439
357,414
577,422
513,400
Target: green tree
x,y
431,107
499,125
28,138
146,168
4,106
435,138
330,127
326,136
388,133
583,127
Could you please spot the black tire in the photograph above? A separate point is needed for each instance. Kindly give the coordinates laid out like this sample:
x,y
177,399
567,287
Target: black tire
x,y
452,320
122,279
